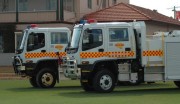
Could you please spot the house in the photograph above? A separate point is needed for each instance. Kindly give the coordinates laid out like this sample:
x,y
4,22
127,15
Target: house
x,y
123,12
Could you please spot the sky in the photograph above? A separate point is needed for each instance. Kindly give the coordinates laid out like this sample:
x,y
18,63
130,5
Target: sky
x,y
162,6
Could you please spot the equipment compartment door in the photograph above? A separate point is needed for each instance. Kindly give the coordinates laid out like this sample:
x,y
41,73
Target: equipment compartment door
x,y
172,60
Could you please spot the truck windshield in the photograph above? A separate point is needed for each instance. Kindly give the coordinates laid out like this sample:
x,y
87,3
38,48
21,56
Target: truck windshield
x,y
75,37
20,49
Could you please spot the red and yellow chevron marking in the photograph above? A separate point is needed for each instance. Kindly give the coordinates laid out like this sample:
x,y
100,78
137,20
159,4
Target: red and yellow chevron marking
x,y
106,54
41,54
153,53
121,54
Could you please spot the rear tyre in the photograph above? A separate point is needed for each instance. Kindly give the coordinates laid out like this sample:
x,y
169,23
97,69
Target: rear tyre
x,y
177,83
86,86
104,81
32,81
46,78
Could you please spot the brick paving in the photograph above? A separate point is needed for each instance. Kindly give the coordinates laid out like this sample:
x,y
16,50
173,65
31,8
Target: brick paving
x,y
7,72
9,76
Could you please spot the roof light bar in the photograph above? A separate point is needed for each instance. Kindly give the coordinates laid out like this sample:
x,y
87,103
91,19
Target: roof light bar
x,y
88,21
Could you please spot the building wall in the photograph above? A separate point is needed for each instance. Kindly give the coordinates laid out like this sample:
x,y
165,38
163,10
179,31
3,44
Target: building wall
x,y
12,5
83,6
38,16
152,27
36,5
9,7
20,27
37,11
32,5
6,59
124,1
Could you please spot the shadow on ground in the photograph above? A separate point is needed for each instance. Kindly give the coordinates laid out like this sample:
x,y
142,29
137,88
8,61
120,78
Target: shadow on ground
x,y
77,91
138,92
30,89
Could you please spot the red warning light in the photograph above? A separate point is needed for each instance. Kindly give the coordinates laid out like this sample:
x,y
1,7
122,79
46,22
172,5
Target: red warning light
x,y
34,25
91,21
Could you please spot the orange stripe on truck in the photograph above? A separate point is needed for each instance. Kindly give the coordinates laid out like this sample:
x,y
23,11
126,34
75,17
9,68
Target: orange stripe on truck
x,y
153,53
107,54
41,54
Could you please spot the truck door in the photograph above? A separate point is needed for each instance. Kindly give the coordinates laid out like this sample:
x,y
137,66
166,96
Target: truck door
x,y
92,44
121,43
58,41
36,44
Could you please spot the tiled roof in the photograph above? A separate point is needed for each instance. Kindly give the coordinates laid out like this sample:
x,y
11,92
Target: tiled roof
x,y
128,12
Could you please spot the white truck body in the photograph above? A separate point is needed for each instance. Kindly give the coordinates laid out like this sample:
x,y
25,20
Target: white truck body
x,y
101,54
39,53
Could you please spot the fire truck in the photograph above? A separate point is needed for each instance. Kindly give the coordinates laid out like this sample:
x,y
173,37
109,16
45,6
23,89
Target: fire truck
x,y
102,54
38,54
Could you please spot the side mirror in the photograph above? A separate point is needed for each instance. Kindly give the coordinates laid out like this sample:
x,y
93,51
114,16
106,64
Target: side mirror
x,y
19,51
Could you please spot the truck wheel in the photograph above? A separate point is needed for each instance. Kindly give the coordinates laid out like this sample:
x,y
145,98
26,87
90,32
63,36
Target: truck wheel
x,y
32,81
177,83
46,78
104,81
86,86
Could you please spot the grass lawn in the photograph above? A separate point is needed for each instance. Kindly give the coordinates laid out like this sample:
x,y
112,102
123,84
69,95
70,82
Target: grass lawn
x,y
70,92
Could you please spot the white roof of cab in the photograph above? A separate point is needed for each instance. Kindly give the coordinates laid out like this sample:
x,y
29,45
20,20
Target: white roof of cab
x,y
50,29
105,24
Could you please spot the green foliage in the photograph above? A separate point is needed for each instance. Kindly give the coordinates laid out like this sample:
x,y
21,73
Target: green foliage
x,y
70,92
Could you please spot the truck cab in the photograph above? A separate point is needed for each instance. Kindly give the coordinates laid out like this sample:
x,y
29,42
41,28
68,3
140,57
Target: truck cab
x,y
38,55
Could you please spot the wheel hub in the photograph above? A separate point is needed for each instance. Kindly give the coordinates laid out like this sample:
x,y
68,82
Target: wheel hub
x,y
47,79
106,82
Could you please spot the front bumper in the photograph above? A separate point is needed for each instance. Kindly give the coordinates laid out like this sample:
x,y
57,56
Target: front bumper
x,y
70,68
17,65
21,68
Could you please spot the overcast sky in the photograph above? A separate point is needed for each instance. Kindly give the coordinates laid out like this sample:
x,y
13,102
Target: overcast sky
x,y
162,6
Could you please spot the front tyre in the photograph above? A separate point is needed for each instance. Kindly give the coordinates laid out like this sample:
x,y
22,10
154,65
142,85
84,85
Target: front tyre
x,y
86,86
177,83
32,81
104,81
46,78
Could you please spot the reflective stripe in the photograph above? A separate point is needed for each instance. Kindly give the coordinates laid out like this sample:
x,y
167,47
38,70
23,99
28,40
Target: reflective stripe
x,y
41,54
153,53
106,54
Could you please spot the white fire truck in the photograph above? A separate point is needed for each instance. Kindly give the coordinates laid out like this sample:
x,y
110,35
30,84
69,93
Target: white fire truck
x,y
102,54
38,55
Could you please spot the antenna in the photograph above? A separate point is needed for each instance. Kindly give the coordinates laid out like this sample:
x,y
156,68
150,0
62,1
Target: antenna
x,y
174,10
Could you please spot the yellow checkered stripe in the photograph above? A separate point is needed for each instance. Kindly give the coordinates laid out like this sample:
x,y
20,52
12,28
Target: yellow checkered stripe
x,y
153,53
107,54
41,54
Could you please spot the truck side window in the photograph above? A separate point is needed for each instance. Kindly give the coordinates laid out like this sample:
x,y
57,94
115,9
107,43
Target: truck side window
x,y
59,38
91,39
118,34
35,41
